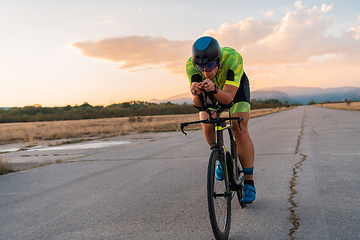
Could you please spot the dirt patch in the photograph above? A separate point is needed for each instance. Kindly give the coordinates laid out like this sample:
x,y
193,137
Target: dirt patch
x,y
352,106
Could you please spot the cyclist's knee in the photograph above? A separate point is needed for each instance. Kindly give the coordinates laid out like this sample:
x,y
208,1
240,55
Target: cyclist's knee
x,y
208,129
241,135
240,131
244,124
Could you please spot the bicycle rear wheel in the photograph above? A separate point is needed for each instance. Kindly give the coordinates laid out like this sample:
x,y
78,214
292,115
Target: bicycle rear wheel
x,y
236,174
239,192
239,178
219,198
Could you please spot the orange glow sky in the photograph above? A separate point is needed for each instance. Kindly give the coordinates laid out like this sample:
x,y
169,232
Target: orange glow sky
x,y
103,52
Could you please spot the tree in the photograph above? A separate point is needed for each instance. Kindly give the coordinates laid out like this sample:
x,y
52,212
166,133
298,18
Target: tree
x,y
312,102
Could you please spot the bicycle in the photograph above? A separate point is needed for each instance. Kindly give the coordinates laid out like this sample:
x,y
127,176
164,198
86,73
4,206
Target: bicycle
x,y
220,193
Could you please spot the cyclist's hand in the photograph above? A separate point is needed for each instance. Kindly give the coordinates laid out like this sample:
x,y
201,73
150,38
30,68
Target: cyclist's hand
x,y
208,85
195,88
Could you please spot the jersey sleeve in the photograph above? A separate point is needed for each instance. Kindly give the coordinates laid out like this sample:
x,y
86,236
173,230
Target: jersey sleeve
x,y
235,69
192,72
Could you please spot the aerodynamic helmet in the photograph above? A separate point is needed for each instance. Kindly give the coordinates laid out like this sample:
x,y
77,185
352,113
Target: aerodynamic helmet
x,y
205,50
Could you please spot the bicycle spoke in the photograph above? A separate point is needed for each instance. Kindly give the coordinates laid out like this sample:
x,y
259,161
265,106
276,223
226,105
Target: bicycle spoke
x,y
220,203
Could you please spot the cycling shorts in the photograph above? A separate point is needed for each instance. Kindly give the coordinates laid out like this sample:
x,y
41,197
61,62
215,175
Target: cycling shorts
x,y
242,97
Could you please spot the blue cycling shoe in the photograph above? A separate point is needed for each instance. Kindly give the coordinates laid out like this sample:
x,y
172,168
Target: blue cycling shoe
x,y
219,172
249,194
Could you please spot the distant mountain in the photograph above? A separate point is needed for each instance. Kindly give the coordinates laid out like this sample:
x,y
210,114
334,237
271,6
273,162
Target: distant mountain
x,y
356,97
178,99
302,95
265,95
154,100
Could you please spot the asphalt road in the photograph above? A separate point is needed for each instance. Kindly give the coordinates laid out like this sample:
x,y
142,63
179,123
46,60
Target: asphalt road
x,y
155,186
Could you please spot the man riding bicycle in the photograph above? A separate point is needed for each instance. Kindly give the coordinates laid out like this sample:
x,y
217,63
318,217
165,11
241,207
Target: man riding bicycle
x,y
219,70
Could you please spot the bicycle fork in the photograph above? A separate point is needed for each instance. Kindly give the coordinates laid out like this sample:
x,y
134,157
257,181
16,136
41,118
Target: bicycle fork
x,y
222,151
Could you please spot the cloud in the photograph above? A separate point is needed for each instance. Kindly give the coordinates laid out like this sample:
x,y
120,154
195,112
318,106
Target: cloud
x,y
300,35
137,51
300,38
356,29
325,8
244,32
269,14
299,5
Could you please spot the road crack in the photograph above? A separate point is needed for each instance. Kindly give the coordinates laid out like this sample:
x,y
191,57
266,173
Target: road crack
x,y
293,217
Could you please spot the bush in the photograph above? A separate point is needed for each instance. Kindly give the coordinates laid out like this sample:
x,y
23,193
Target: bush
x,y
5,166
312,102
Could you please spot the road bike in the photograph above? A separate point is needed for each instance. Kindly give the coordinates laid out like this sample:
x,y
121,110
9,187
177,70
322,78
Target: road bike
x,y
221,192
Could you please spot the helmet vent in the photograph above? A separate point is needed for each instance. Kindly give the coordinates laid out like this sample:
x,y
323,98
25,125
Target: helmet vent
x,y
205,59
198,60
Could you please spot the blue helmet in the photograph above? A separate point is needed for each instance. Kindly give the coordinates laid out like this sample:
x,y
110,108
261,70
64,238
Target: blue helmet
x,y
205,50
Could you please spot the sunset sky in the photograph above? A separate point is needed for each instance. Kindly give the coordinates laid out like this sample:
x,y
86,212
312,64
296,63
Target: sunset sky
x,y
55,53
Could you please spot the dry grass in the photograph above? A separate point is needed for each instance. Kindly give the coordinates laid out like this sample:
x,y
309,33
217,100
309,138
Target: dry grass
x,y
5,166
266,111
353,106
106,127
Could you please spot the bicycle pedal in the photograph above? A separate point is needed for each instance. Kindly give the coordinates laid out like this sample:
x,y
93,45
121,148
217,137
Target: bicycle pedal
x,y
243,204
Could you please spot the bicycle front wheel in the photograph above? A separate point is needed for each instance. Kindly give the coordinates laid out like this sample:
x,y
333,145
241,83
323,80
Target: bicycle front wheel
x,y
219,198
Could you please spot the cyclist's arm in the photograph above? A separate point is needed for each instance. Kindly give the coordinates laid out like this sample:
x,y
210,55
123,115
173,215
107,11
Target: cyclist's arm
x,y
195,90
196,101
233,78
224,96
195,79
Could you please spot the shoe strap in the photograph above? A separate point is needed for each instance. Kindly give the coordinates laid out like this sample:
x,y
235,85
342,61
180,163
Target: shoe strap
x,y
250,189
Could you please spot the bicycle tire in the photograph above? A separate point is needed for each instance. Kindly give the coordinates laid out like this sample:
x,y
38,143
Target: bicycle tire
x,y
237,175
219,198
239,194
234,168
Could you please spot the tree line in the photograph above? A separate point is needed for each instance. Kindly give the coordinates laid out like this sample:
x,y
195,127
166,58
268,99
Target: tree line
x,y
270,103
348,102
37,113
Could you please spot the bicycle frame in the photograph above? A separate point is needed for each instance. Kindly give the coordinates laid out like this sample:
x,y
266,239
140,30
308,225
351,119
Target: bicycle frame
x,y
219,128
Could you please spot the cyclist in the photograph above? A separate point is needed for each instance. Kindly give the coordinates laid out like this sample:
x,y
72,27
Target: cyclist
x,y
220,70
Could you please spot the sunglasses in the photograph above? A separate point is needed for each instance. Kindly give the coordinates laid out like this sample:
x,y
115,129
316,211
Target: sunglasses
x,y
207,67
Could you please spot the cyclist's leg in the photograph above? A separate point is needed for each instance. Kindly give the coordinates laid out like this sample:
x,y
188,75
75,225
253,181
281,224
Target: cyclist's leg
x,y
241,108
208,129
244,146
245,152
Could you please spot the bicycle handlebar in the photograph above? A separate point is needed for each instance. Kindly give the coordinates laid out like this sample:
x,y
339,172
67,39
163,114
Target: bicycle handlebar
x,y
211,121
215,106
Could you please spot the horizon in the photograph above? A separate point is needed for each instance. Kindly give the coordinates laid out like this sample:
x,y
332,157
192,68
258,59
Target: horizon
x,y
104,53
167,98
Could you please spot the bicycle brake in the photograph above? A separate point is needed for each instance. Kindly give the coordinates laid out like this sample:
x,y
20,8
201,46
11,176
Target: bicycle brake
x,y
239,121
182,125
